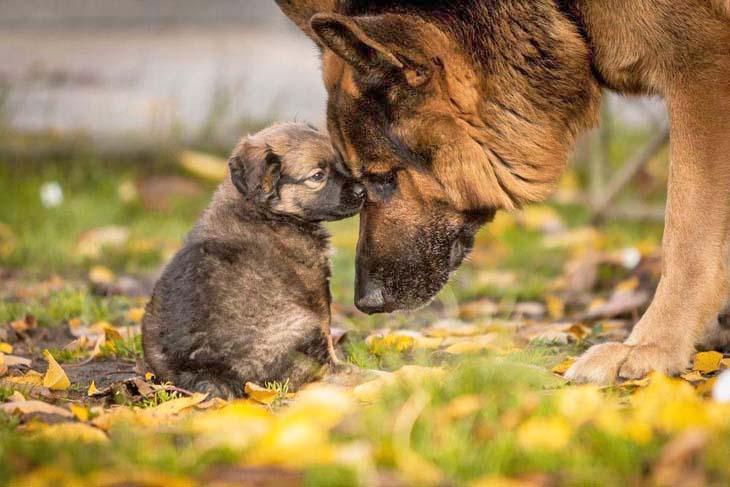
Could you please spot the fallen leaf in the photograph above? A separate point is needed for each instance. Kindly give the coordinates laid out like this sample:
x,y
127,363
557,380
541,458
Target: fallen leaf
x,y
55,378
563,366
260,394
204,165
135,315
149,376
693,376
92,242
80,412
73,432
548,434
555,307
101,275
31,377
707,387
618,304
391,342
6,348
3,367
34,407
92,390
707,362
628,285
678,465
22,325
408,374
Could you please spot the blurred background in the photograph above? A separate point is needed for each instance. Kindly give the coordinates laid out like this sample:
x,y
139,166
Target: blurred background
x,y
116,117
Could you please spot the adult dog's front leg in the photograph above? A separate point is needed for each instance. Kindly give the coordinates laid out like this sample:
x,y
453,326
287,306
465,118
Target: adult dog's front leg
x,y
696,250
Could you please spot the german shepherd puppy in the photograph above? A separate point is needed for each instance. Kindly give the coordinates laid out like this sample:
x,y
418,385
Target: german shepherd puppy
x,y
451,110
247,298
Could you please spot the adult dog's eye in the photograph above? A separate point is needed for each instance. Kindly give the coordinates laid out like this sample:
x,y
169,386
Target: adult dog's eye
x,y
317,177
383,185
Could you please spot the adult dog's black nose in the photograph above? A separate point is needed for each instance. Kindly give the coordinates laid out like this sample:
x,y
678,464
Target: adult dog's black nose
x,y
369,296
359,191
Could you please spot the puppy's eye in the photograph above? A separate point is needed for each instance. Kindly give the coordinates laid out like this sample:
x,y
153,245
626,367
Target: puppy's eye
x,y
317,177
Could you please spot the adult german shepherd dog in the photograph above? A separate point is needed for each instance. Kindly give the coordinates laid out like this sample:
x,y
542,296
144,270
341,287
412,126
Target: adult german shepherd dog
x,y
451,110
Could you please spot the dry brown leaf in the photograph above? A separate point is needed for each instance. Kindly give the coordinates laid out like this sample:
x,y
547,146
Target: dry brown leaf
x,y
563,366
620,303
22,325
55,378
15,361
34,407
260,394
707,362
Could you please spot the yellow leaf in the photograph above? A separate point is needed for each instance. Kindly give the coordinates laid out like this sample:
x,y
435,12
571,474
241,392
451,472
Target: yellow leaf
x,y
628,285
55,378
260,394
204,165
555,307
6,348
92,391
550,434
101,275
707,362
693,376
580,404
636,383
380,344
725,363
462,406
176,406
563,366
73,432
149,376
80,412
31,378
3,367
135,315
705,388
499,481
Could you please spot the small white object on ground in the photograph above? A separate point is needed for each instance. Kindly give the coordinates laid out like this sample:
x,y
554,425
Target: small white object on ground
x,y
51,194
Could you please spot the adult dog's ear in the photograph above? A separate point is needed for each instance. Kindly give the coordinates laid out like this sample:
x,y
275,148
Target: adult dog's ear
x,y
301,11
255,172
373,42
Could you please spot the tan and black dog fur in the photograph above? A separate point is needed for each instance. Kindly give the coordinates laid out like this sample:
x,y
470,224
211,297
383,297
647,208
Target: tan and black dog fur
x,y
247,298
451,110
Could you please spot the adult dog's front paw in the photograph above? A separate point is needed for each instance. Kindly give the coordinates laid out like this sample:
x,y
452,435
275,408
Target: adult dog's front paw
x,y
608,363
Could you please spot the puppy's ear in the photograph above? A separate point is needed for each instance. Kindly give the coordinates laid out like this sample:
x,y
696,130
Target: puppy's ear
x,y
255,173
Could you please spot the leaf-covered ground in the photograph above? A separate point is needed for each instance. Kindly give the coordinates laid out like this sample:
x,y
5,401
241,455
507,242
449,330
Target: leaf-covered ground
x,y
467,391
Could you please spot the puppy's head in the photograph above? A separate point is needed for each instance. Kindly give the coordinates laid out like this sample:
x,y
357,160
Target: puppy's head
x,y
291,169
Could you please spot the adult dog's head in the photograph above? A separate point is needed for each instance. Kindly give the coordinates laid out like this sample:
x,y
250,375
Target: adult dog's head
x,y
447,111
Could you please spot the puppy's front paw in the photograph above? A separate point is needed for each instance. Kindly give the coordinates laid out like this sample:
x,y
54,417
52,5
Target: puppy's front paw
x,y
609,362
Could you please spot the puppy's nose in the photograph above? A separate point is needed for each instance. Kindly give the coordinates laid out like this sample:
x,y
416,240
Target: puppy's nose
x,y
369,297
358,190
